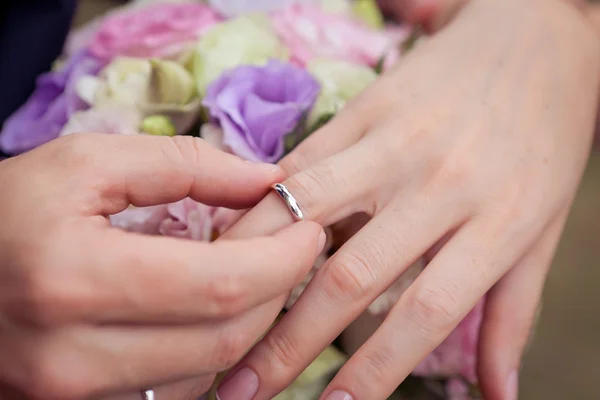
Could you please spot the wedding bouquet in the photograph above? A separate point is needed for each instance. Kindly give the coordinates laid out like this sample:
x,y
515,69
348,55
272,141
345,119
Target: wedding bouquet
x,y
253,78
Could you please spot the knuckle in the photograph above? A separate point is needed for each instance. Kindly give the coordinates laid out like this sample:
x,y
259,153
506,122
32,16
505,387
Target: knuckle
x,y
294,162
453,172
435,309
351,274
226,296
284,360
230,348
184,148
376,364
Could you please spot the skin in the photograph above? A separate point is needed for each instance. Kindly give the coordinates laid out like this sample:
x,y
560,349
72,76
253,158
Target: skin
x,y
90,311
475,162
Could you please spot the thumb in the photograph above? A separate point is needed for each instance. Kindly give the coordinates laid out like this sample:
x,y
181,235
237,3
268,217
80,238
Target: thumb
x,y
150,170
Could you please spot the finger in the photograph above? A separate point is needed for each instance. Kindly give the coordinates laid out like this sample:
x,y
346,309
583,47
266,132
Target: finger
x,y
78,362
344,130
315,160
340,291
511,307
189,389
161,279
327,192
444,293
147,170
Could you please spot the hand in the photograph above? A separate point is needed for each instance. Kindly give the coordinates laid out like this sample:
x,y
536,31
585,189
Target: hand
x,y
432,14
88,310
473,147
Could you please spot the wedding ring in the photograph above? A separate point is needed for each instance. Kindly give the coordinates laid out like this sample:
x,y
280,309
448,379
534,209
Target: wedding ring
x,y
289,200
148,395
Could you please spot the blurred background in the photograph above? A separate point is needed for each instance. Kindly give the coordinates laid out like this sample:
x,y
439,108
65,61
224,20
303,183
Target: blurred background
x,y
563,361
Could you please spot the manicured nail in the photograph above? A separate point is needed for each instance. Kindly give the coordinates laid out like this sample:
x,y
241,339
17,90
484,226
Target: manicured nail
x,y
322,241
243,385
339,395
512,386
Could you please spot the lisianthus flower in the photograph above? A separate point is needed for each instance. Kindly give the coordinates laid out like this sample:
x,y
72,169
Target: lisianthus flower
x,y
48,109
247,40
110,119
164,29
146,220
235,8
258,106
154,87
340,81
309,32
185,219
188,219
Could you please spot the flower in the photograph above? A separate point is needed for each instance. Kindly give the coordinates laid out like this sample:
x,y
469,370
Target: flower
x,y
340,81
158,30
188,219
457,355
309,32
145,220
257,106
48,109
368,11
154,87
235,8
158,125
114,120
185,219
247,40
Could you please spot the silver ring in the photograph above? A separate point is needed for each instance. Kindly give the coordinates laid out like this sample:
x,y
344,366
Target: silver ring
x,y
148,394
289,200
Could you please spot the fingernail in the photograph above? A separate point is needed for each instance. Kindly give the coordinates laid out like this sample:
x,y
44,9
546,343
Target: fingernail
x,y
322,241
512,386
339,395
243,385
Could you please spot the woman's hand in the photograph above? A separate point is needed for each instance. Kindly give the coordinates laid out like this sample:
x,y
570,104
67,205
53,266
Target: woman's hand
x,y
472,147
87,310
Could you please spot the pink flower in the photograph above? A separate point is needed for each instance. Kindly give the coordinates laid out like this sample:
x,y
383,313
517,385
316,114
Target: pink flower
x,y
186,219
457,355
161,30
145,220
309,32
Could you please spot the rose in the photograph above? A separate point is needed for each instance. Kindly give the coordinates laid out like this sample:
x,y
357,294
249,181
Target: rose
x,y
158,30
309,32
340,81
48,109
154,87
115,120
247,40
256,112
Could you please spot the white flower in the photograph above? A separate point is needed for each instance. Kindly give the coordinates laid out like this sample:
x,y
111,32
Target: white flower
x,y
246,40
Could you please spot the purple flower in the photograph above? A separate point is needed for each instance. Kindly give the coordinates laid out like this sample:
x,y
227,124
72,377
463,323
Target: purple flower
x,y
258,106
48,109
